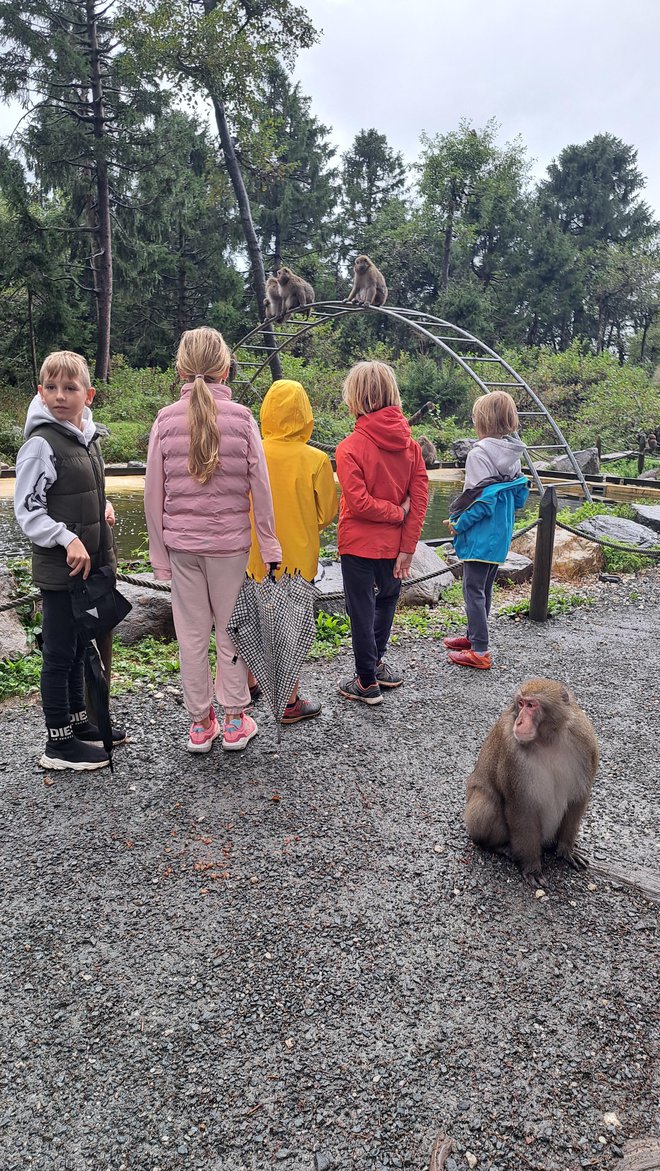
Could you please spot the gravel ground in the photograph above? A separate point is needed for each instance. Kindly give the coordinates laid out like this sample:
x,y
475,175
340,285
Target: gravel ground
x,y
295,958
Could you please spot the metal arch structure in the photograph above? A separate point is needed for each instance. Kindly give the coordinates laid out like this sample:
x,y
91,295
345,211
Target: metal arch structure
x,y
482,364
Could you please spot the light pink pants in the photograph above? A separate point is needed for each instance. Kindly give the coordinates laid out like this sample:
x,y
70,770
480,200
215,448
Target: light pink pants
x,y
204,591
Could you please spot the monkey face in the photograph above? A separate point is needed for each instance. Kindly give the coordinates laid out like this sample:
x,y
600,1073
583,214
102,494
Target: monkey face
x,y
362,263
525,728
283,275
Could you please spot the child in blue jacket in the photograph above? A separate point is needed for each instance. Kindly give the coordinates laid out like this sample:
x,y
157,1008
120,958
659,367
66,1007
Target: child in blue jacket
x,y
481,519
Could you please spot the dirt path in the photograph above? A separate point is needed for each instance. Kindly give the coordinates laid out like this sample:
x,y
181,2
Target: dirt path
x,y
296,959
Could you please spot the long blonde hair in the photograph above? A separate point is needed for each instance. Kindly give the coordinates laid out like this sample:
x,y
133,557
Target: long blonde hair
x,y
370,386
203,353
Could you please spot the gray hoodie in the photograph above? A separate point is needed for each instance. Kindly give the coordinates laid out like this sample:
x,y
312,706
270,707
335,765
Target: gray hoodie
x,y
36,473
490,458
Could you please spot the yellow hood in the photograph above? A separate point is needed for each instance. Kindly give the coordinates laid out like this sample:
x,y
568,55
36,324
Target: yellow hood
x,y
286,412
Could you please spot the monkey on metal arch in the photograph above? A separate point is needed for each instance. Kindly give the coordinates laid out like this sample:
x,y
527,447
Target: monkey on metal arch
x,y
533,779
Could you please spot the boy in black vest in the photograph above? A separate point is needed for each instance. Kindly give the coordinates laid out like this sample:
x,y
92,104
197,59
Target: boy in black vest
x,y
60,505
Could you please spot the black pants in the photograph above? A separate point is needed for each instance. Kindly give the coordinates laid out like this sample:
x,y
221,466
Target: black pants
x,y
371,593
478,579
62,693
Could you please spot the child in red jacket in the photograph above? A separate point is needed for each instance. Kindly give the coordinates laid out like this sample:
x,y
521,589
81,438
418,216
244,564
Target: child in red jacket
x,y
384,489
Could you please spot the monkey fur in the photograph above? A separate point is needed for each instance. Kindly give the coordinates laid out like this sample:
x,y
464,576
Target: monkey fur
x,y
294,292
369,286
274,302
428,451
533,779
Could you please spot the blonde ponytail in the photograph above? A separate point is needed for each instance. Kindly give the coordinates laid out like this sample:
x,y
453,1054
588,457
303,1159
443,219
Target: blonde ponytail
x,y
204,453
203,353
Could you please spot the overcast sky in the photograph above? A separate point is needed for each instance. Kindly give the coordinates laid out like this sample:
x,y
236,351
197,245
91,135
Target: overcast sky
x,y
554,71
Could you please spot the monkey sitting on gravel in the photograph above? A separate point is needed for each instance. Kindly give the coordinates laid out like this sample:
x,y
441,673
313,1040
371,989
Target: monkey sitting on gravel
x,y
533,778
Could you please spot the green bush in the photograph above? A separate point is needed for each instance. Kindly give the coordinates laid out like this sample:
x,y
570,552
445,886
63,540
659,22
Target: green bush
x,y
134,396
11,438
126,441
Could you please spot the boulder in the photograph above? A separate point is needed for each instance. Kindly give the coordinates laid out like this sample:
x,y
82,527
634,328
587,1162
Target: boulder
x,y
460,449
425,560
588,461
329,581
647,514
617,528
573,557
151,613
516,569
13,640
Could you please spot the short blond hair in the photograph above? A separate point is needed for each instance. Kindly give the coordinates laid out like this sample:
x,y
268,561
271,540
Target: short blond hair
x,y
67,363
369,386
495,415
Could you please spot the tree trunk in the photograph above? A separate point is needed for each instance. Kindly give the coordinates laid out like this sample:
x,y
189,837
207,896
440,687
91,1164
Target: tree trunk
x,y
254,253
103,266
446,255
33,342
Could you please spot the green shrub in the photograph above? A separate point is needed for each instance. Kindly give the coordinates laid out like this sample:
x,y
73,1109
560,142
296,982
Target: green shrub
x,y
11,438
126,441
135,396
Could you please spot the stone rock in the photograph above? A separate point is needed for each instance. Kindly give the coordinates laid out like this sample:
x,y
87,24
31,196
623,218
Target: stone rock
x,y
13,640
617,528
573,557
151,613
460,449
425,560
588,460
517,568
328,583
650,474
647,514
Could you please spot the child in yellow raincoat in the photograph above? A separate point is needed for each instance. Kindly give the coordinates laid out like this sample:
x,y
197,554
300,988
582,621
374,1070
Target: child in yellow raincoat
x,y
304,497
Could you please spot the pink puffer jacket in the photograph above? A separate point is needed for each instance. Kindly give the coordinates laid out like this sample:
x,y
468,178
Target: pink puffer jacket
x,y
211,519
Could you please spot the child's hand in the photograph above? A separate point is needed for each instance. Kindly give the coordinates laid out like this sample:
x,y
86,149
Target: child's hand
x,y
78,558
402,565
109,514
452,530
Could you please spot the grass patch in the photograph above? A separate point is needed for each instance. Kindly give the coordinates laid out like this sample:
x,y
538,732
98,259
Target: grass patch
x,y
332,633
560,601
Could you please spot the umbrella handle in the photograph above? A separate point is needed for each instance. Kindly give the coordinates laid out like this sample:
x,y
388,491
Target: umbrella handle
x,y
272,566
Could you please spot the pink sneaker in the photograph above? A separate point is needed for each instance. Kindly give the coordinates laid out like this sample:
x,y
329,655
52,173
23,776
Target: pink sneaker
x,y
237,732
200,739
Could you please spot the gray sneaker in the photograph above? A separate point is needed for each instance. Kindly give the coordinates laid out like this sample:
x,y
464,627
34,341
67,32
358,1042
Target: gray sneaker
x,y
386,677
353,689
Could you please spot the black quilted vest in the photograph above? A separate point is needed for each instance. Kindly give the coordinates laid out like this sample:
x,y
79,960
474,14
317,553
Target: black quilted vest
x,y
78,499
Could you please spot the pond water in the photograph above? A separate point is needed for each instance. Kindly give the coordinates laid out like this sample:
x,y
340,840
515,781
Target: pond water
x,y
131,529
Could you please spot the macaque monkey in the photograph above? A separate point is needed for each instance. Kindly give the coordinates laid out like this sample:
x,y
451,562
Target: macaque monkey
x,y
273,303
428,451
369,286
533,777
295,293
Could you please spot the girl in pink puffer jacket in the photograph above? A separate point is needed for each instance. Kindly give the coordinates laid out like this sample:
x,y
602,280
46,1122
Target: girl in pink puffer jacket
x,y
204,467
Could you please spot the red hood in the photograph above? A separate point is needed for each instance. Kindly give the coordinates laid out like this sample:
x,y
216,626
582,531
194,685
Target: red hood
x,y
387,428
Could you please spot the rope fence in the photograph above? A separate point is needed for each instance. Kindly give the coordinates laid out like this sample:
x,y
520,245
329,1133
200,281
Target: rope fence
x,y
337,595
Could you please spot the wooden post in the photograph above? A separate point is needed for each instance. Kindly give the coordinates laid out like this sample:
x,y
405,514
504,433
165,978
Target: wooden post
x,y
545,543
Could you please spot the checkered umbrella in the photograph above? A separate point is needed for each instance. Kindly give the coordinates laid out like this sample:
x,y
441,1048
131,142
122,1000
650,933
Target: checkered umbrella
x,y
273,628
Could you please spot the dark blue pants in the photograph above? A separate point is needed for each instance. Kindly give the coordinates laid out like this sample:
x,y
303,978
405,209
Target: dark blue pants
x,y
371,593
478,579
62,690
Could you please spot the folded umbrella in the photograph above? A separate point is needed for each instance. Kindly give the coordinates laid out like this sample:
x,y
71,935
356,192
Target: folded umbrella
x,y
99,694
272,627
